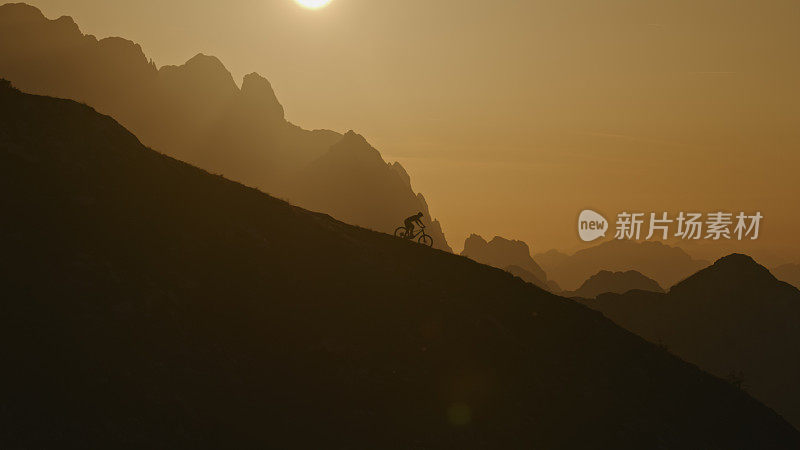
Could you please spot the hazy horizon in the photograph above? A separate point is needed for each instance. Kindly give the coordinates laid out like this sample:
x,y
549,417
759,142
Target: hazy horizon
x,y
511,117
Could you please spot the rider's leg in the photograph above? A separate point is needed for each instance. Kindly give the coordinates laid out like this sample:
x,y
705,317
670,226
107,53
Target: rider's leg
x,y
409,230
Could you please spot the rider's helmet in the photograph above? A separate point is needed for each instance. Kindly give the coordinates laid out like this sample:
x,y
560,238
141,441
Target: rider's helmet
x,y
420,214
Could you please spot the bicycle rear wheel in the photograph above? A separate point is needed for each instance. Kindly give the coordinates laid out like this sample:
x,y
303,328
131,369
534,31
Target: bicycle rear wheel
x,y
426,240
400,232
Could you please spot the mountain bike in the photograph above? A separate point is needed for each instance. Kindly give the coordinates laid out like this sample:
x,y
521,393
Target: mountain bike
x,y
420,236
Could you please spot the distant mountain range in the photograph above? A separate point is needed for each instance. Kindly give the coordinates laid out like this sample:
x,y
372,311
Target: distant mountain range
x,y
607,267
734,319
511,255
197,113
150,304
614,282
665,264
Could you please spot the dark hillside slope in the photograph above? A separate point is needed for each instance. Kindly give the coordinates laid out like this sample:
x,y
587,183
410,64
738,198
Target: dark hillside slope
x,y
733,319
149,304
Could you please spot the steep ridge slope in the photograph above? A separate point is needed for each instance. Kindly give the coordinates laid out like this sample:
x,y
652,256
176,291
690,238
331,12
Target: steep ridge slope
x,y
196,113
526,275
149,304
733,319
789,273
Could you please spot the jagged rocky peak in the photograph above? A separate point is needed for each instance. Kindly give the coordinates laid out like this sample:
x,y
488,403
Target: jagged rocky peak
x,y
423,204
516,245
502,253
512,248
401,171
208,65
67,23
351,137
474,241
118,44
257,91
123,50
21,12
203,60
21,16
202,71
356,146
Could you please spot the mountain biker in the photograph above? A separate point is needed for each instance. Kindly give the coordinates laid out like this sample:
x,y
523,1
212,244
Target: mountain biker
x,y
410,221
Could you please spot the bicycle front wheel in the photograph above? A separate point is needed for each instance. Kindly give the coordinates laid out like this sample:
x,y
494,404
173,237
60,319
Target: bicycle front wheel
x,y
400,232
426,240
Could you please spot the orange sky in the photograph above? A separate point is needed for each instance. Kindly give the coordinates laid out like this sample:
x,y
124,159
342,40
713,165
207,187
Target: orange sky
x,y
512,116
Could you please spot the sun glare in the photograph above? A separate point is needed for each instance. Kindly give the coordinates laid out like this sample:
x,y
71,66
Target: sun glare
x,y
313,4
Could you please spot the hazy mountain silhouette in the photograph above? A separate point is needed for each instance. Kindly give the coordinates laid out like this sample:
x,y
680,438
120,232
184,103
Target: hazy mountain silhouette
x,y
663,263
614,282
550,258
197,113
733,319
789,273
148,303
502,253
336,181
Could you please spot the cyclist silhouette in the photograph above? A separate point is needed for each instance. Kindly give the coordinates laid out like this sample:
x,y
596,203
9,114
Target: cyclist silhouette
x,y
409,224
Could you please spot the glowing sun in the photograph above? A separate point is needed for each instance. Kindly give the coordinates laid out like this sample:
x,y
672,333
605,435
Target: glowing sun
x,y
313,4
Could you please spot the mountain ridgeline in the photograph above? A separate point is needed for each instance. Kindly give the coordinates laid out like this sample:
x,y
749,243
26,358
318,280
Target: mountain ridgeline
x,y
663,263
606,281
197,113
612,266
150,304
